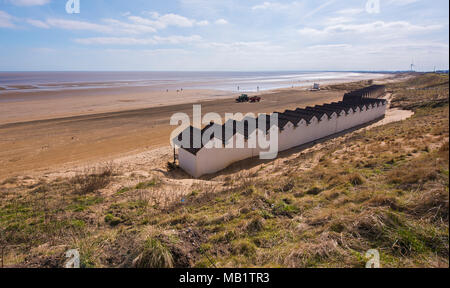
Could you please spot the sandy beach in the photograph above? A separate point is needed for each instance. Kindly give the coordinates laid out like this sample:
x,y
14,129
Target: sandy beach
x,y
30,102
52,129
29,106
40,144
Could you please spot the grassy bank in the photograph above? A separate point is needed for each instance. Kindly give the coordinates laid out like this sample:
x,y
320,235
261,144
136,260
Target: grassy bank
x,y
385,188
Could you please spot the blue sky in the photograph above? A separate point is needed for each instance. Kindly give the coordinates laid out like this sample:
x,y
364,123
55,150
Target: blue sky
x,y
233,35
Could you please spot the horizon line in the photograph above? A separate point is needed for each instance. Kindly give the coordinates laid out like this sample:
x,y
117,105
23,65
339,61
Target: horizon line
x,y
226,71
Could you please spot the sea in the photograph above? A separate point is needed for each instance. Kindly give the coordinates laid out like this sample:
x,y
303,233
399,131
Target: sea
x,y
227,81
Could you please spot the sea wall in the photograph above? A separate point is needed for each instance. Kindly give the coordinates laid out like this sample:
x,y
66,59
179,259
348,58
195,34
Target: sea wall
x,y
212,160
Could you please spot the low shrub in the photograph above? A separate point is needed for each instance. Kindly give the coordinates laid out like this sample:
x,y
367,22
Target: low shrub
x,y
93,180
154,255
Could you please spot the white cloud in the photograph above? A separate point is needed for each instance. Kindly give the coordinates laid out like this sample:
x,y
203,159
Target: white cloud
x,y
378,28
241,47
212,8
338,20
177,39
38,23
345,38
174,20
108,26
330,46
79,25
273,6
135,24
147,52
6,20
29,2
147,22
129,28
163,21
350,11
202,23
402,2
155,40
221,22
264,6
319,8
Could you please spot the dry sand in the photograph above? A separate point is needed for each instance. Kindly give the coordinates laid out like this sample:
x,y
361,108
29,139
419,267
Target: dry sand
x,y
39,104
137,166
30,106
37,145
59,144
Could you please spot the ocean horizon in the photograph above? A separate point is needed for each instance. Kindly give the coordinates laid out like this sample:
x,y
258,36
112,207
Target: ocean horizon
x,y
154,80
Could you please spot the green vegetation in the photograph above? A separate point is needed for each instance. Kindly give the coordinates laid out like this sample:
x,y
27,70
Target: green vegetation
x,y
154,255
385,188
147,184
92,181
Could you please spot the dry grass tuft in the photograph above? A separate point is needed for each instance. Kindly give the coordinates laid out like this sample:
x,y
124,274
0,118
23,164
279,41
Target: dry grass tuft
x,y
154,255
256,225
12,180
356,179
311,254
92,180
432,204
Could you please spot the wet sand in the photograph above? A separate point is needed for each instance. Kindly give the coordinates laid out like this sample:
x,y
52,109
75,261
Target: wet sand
x,y
35,146
45,101
29,106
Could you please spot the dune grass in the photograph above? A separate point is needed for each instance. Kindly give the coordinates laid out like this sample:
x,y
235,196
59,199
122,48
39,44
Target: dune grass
x,y
386,188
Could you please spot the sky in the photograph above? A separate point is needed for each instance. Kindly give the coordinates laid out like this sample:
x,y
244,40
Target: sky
x,y
224,35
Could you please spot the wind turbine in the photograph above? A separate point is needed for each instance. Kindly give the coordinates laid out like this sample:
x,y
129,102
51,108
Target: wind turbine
x,y
412,66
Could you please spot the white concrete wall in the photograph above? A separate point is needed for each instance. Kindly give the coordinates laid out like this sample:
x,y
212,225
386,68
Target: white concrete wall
x,y
345,121
287,137
188,162
209,161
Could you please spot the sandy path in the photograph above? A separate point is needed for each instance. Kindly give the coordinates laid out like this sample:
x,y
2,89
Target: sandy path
x,y
393,114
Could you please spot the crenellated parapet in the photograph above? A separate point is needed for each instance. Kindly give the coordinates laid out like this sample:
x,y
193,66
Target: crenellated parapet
x,y
374,91
294,128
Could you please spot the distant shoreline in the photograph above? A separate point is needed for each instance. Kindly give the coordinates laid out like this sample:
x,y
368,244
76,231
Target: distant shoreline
x,y
97,136
11,82
28,105
79,130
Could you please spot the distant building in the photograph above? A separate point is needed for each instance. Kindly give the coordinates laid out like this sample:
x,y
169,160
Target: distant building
x,y
316,86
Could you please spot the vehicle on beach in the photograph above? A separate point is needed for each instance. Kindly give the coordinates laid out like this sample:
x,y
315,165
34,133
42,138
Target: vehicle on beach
x,y
244,98
316,87
255,99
